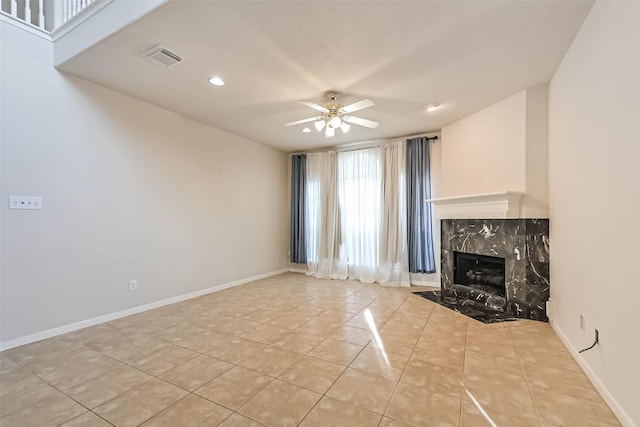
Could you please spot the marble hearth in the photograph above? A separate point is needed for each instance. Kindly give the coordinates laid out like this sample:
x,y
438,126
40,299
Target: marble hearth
x,y
524,245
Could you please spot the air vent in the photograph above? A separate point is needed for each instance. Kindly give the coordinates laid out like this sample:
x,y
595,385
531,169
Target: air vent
x,y
161,56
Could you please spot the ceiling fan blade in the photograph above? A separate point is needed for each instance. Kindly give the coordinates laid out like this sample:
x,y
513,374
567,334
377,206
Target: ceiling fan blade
x,y
356,106
315,106
361,122
299,122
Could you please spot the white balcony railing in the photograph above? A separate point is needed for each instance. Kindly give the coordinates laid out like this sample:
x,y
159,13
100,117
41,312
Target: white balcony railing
x,y
72,7
46,15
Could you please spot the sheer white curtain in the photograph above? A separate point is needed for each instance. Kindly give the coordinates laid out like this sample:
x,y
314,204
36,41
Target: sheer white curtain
x,y
356,215
393,266
359,178
323,231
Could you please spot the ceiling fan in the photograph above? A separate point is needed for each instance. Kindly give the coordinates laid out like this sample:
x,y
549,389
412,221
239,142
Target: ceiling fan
x,y
337,116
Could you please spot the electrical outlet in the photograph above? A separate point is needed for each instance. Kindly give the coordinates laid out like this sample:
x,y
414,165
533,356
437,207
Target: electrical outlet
x,y
133,285
582,322
25,202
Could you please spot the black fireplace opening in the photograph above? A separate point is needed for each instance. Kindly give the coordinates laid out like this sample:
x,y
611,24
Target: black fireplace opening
x,y
481,272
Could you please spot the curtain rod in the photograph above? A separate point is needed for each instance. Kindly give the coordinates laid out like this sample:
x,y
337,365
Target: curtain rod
x,y
365,144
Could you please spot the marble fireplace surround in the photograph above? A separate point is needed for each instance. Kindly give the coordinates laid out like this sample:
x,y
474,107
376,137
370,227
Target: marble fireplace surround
x,y
490,224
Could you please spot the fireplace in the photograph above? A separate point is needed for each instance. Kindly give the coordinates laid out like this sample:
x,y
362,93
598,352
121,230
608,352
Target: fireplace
x,y
493,225
480,272
524,246
494,270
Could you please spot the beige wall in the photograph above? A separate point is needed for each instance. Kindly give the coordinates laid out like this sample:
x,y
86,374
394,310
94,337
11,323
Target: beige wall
x,y
130,191
594,152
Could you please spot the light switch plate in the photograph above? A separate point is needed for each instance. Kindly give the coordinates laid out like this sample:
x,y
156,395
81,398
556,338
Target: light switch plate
x,y
25,202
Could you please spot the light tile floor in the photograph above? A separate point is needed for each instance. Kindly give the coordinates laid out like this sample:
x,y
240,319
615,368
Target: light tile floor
x,y
292,350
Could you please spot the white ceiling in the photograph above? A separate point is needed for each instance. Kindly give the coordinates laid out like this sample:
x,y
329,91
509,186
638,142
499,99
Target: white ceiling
x,y
463,55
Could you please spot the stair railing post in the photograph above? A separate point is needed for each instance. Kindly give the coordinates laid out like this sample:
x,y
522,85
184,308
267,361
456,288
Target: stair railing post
x,y
27,11
41,22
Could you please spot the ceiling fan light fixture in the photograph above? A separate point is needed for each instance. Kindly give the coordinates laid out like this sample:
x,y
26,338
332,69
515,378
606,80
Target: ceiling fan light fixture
x,y
334,115
329,132
306,130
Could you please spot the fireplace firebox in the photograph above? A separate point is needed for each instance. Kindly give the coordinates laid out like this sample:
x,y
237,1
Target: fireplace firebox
x,y
480,272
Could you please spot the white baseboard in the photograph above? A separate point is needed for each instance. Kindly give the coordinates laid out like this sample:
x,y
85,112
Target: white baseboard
x,y
38,336
618,411
426,279
425,283
434,284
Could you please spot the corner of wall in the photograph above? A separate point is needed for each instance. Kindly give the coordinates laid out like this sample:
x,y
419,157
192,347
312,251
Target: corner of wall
x,y
536,200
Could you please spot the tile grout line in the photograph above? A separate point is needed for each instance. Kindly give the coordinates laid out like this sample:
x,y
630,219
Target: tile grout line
x,y
276,378
332,384
344,370
412,352
238,365
464,361
339,376
155,334
526,376
407,364
86,345
403,371
83,414
154,376
65,394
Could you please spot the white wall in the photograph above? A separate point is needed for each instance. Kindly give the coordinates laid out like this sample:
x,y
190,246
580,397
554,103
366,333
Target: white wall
x,y
595,199
485,152
536,199
500,148
131,191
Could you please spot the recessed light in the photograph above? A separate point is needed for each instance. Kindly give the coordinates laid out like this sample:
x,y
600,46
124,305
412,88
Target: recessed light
x,y
306,130
433,107
216,81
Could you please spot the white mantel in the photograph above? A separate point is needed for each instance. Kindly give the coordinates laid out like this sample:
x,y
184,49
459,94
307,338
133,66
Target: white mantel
x,y
505,204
